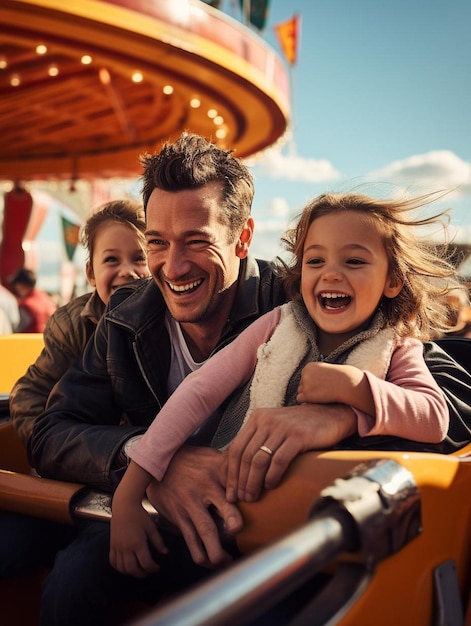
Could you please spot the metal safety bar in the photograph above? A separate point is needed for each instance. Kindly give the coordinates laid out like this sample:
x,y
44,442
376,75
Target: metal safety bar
x,y
375,509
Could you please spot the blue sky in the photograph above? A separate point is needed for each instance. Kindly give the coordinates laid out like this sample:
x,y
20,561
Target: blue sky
x,y
381,92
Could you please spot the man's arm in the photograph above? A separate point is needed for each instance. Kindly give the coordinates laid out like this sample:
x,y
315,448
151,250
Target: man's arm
x,y
78,437
195,480
455,383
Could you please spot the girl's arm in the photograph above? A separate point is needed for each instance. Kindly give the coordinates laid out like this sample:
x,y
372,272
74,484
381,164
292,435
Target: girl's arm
x,y
408,404
327,383
200,394
133,531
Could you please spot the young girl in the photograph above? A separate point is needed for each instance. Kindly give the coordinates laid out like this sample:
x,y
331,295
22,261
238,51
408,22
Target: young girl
x,y
114,239
364,292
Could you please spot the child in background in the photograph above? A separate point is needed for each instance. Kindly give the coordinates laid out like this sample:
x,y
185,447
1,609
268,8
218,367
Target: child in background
x,y
364,292
35,305
114,239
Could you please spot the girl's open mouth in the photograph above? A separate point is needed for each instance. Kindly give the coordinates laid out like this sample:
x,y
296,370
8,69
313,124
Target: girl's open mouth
x,y
334,301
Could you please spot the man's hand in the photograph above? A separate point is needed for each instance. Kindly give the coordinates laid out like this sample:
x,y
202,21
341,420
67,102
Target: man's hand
x,y
191,484
286,432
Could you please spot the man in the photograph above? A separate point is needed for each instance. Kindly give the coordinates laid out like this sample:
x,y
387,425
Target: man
x,y
205,289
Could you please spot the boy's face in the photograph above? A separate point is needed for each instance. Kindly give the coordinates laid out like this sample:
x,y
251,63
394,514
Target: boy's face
x,y
191,255
345,273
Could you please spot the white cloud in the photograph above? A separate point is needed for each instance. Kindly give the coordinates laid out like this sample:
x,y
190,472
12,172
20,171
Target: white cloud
x,y
293,167
439,169
279,207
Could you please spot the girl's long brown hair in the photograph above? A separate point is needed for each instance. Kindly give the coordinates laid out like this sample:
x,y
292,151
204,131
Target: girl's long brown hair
x,y
422,308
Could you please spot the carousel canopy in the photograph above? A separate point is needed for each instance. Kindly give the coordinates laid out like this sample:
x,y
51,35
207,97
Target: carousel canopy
x,y
88,86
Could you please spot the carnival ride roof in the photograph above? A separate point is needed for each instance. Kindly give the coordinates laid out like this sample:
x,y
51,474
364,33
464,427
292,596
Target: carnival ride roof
x,y
90,85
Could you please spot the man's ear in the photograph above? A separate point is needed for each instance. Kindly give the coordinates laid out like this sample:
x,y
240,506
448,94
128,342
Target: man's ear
x,y
89,273
393,287
245,239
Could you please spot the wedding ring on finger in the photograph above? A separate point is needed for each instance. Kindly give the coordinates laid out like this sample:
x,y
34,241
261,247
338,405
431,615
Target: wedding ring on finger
x,y
266,449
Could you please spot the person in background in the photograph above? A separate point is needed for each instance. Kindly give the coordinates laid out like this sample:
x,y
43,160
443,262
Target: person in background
x,y
116,249
114,239
5,326
206,289
9,306
364,294
35,305
460,315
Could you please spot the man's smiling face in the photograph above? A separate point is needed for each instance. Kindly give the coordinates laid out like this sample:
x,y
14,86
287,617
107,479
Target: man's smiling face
x,y
190,253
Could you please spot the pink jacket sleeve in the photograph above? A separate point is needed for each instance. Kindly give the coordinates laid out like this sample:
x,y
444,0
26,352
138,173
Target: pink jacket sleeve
x,y
200,394
409,402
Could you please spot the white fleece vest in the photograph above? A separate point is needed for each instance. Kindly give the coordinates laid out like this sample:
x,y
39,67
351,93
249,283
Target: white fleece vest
x,y
278,359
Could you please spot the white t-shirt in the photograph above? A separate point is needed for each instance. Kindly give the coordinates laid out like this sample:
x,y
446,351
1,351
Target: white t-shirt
x,y
181,361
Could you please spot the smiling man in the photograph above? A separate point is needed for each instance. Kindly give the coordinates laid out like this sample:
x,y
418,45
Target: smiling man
x,y
205,289
194,256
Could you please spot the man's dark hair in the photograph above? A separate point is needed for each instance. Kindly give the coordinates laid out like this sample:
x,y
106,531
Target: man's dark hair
x,y
192,162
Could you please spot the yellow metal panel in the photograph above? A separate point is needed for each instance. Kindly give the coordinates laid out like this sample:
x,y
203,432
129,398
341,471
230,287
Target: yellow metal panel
x,y
17,352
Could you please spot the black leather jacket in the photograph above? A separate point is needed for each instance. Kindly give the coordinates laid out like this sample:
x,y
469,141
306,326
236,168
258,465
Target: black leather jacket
x,y
119,385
